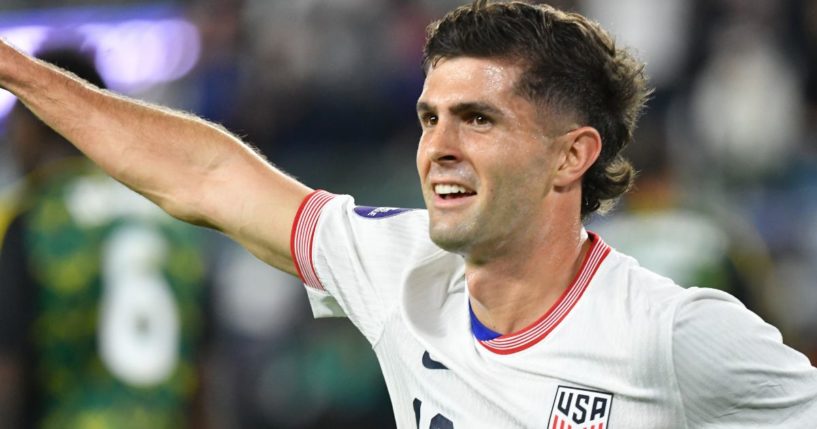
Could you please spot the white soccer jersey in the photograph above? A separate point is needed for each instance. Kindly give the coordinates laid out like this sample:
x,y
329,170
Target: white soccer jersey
x,y
623,348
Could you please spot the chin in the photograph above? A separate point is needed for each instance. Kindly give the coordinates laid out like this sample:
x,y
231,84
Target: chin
x,y
451,239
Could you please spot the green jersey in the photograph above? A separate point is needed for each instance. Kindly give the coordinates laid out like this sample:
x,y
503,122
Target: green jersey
x,y
112,301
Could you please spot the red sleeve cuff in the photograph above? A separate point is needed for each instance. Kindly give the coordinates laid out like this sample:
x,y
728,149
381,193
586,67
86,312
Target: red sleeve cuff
x,y
303,235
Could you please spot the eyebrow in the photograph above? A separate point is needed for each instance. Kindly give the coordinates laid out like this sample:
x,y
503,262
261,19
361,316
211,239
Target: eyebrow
x,y
459,108
423,107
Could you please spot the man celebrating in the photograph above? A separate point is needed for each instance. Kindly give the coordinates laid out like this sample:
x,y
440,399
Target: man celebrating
x,y
510,314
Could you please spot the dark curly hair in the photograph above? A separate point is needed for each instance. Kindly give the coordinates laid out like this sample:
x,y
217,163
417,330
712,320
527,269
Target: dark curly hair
x,y
572,67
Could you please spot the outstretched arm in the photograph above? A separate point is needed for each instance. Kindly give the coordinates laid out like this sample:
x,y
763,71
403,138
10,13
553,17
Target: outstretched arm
x,y
196,171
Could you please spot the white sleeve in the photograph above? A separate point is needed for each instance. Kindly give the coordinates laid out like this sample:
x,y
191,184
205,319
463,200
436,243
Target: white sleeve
x,y
352,259
733,369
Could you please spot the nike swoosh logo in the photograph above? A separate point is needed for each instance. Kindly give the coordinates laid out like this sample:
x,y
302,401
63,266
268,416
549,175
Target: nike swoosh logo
x,y
431,363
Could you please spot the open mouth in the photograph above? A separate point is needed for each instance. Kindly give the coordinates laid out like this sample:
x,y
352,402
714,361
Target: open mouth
x,y
451,192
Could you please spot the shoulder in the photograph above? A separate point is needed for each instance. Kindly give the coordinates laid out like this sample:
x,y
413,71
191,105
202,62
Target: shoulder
x,y
633,285
730,365
338,219
373,216
712,321
722,360
655,310
671,308
336,241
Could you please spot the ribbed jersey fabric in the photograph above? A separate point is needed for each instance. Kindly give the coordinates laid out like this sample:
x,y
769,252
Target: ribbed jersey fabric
x,y
623,348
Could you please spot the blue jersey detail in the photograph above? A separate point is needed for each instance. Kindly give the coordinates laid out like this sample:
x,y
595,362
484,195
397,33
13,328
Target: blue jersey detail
x,y
430,363
378,212
480,331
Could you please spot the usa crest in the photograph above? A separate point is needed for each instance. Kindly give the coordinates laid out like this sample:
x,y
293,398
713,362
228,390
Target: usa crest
x,y
378,212
575,408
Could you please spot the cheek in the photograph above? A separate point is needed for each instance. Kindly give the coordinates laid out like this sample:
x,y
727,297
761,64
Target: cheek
x,y
422,168
522,178
419,159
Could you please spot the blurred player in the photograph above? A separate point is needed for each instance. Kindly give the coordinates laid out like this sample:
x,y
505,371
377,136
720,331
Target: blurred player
x,y
101,298
494,308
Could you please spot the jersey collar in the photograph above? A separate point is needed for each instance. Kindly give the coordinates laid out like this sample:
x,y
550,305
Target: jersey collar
x,y
538,330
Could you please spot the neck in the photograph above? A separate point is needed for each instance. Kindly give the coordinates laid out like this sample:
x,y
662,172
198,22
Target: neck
x,y
512,290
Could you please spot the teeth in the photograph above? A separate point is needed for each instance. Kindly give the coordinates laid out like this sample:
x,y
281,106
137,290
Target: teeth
x,y
449,189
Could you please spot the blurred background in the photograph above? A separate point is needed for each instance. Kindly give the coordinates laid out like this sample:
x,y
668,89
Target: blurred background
x,y
727,154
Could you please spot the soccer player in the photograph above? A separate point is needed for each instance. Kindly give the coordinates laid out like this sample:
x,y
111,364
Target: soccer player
x,y
493,308
101,294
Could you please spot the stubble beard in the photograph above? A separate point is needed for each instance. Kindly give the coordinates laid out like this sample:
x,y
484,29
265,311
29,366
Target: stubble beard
x,y
481,236
458,238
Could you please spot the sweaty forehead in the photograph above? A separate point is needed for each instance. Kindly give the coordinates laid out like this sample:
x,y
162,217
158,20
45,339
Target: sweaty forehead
x,y
464,77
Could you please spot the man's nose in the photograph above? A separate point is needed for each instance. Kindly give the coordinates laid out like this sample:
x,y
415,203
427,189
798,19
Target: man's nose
x,y
443,144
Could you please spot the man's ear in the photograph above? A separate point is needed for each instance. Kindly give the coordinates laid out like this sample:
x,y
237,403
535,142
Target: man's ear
x,y
581,147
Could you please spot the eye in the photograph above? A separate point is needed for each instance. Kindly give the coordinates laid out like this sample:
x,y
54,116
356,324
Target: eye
x,y
479,119
428,119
